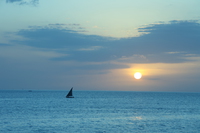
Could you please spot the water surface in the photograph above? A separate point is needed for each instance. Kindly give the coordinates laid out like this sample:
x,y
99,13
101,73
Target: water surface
x,y
98,112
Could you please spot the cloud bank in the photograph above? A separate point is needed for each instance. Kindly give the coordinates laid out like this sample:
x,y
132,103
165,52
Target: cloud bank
x,y
166,42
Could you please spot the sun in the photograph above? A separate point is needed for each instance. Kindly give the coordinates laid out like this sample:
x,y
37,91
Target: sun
x,y
138,75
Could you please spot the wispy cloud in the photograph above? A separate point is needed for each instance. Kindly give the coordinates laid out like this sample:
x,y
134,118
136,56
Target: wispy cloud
x,y
11,1
23,2
90,48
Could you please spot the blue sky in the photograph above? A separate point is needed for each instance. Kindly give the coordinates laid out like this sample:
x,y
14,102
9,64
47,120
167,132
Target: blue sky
x,y
99,45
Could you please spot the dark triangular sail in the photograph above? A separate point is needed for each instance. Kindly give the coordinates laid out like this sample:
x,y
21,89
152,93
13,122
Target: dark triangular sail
x,y
69,95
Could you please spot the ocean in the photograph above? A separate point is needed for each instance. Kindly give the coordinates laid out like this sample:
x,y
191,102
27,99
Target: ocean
x,y
99,112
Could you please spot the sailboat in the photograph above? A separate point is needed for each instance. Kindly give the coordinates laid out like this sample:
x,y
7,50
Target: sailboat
x,y
69,95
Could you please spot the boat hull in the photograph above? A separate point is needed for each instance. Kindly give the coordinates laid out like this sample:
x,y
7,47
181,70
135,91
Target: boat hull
x,y
69,96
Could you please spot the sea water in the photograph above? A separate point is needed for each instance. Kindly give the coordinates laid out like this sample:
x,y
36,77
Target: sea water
x,y
99,112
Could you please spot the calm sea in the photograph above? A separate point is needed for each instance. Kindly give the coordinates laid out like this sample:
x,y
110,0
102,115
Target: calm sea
x,y
99,112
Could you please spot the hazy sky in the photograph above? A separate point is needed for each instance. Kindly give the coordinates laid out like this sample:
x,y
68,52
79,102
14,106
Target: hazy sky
x,y
100,44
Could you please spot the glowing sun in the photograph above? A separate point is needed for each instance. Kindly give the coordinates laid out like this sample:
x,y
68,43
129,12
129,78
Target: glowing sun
x,y
138,75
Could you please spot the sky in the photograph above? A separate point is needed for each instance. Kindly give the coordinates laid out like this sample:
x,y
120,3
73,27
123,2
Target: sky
x,y
99,45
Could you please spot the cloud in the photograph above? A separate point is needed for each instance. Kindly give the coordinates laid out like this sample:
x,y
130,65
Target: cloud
x,y
78,46
164,42
3,44
159,39
58,38
175,36
23,2
11,1
90,48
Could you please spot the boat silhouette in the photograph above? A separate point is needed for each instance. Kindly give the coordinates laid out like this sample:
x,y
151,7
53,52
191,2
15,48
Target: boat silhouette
x,y
69,95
